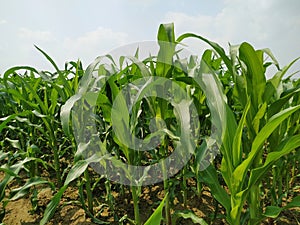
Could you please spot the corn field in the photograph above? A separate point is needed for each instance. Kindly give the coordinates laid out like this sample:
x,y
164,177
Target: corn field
x,y
236,145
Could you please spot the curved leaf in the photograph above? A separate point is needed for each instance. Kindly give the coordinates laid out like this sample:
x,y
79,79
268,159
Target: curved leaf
x,y
186,214
156,217
239,174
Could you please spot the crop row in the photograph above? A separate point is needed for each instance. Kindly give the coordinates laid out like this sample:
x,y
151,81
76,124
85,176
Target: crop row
x,y
168,119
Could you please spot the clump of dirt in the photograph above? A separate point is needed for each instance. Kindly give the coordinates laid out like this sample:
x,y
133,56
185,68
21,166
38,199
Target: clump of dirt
x,y
17,213
72,215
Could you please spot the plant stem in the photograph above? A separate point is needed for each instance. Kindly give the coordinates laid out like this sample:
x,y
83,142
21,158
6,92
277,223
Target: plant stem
x,y
167,201
255,191
234,217
135,197
199,186
53,145
89,191
254,202
216,210
184,187
57,165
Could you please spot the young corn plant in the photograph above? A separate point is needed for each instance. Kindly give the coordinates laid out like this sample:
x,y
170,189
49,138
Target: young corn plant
x,y
111,109
246,141
39,96
30,128
119,107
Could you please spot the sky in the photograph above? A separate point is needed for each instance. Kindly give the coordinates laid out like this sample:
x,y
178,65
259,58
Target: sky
x,y
69,30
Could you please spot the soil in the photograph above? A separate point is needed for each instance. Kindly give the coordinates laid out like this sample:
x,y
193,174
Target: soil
x,y
69,212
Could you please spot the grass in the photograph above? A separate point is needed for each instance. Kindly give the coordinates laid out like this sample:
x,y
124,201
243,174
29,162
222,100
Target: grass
x,y
219,102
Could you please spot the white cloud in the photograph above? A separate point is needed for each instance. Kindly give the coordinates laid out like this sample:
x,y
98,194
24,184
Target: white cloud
x,y
263,23
99,37
3,21
143,2
190,23
86,47
35,35
94,43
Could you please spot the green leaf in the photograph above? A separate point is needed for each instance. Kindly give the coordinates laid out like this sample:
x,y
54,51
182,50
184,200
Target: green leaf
x,y
272,211
79,167
51,207
237,140
156,217
14,143
65,112
9,172
4,155
166,33
54,103
294,203
256,80
33,91
12,173
14,69
8,119
239,174
38,114
259,115
226,148
76,171
270,54
277,78
61,75
21,191
187,214
166,41
284,148
276,106
19,97
214,45
210,177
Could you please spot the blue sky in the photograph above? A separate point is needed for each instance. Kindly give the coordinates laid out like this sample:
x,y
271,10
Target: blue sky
x,y
68,30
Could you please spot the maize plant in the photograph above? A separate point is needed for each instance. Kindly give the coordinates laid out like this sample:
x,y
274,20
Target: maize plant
x,y
183,123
